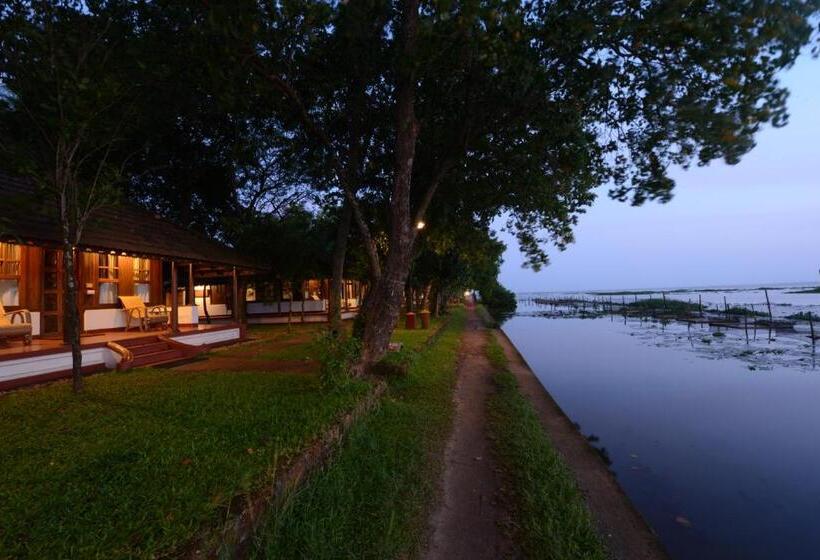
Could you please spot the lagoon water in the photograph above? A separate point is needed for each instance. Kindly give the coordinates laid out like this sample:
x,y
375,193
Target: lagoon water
x,y
718,448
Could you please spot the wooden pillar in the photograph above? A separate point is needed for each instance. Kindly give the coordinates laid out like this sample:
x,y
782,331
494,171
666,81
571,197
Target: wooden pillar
x,y
235,295
174,304
191,294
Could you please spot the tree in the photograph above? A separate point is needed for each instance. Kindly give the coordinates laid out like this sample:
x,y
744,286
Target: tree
x,y
69,81
521,108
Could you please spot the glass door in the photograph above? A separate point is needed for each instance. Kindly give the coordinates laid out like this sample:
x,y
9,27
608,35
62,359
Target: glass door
x,y
51,317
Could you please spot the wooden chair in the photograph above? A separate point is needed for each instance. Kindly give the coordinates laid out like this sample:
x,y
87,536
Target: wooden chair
x,y
144,317
9,328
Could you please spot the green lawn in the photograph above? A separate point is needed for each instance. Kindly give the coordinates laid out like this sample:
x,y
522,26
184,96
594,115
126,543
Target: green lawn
x,y
142,460
373,500
415,339
551,518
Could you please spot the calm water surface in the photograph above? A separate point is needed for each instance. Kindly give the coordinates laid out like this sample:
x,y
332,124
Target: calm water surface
x,y
721,459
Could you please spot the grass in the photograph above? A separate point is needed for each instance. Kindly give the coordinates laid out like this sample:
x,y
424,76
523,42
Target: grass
x,y
373,499
552,519
415,339
142,460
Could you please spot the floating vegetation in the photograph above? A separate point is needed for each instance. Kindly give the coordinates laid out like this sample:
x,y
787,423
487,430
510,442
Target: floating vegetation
x,y
806,291
804,316
666,305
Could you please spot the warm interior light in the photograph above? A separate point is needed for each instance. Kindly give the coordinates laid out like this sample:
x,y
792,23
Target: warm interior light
x,y
420,225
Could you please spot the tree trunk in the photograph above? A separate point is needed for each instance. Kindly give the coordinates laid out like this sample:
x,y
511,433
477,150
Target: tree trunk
x,y
334,303
71,316
384,303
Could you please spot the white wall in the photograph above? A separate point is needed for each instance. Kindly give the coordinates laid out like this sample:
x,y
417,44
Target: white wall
x,y
209,337
96,319
214,309
258,307
188,315
48,363
35,323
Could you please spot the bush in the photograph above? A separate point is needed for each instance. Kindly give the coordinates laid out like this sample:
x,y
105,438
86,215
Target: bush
x,y
498,300
337,355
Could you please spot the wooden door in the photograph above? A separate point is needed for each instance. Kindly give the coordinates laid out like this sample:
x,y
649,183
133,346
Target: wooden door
x,y
51,316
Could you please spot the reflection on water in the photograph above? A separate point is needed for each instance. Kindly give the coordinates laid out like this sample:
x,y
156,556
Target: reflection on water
x,y
717,451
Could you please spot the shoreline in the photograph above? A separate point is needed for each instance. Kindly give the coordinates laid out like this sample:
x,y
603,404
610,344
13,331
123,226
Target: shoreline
x,y
623,530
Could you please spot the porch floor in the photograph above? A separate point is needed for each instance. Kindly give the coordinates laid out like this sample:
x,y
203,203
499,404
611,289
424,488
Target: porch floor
x,y
16,349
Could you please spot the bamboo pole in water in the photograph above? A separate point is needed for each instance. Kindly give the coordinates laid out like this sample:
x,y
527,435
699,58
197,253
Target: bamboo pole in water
x,y
700,305
768,304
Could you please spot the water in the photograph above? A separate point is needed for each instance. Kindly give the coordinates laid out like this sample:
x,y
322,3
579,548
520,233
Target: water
x,y
714,442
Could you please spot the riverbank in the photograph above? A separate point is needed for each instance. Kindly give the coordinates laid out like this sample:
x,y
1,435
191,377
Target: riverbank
x,y
622,530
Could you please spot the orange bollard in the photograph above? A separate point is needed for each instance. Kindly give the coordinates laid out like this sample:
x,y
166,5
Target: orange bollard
x,y
410,321
425,319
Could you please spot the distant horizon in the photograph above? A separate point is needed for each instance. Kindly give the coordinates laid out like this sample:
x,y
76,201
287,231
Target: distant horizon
x,y
753,223
749,286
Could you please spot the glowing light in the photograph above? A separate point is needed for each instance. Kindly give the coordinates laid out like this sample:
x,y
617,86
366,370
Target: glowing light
x,y
420,225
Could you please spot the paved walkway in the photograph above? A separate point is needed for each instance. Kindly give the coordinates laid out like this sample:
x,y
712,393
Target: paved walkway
x,y
468,520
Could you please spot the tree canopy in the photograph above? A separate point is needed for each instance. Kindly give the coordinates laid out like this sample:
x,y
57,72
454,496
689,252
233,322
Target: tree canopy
x,y
391,113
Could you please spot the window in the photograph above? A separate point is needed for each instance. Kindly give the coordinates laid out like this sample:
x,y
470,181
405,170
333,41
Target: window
x,y
250,292
9,274
143,290
142,278
108,277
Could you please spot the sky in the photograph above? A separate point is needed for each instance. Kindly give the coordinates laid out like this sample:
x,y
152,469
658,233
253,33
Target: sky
x,y
752,223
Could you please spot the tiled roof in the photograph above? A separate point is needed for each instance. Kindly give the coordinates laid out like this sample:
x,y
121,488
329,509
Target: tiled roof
x,y
122,228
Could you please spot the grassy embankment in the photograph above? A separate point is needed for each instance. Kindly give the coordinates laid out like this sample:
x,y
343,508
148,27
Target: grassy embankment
x,y
142,460
372,501
551,520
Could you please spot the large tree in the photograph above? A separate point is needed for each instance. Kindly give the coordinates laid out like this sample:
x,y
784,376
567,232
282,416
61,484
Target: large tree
x,y
70,86
523,107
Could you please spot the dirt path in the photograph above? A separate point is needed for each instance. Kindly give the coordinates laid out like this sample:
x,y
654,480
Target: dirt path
x,y
467,521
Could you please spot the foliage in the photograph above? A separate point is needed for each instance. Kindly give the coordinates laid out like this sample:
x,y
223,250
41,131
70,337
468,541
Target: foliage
x,y
139,462
373,500
553,521
500,301
337,355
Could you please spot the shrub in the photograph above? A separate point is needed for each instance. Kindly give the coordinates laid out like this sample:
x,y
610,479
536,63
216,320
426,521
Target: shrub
x,y
337,355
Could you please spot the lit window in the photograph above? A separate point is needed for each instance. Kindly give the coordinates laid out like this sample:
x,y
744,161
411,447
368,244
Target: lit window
x,y
108,293
143,290
9,274
142,278
108,277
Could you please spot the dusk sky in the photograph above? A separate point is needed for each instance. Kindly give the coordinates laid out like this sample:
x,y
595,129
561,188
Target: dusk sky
x,y
752,223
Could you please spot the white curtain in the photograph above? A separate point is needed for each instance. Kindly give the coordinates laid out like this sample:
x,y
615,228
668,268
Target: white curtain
x,y
9,292
108,293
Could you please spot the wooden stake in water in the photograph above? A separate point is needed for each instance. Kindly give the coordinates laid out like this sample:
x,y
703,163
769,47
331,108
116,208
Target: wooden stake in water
x,y
768,304
700,305
746,326
725,307
755,321
811,326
